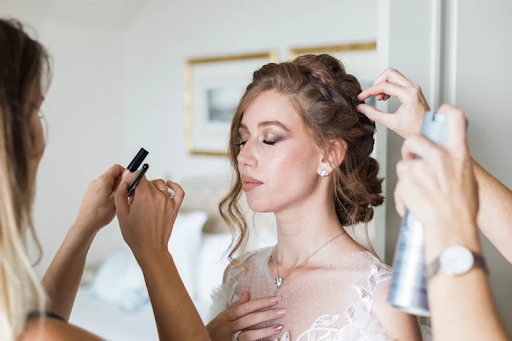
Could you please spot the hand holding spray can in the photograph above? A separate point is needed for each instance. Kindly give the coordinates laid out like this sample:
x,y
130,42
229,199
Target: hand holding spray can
x,y
408,290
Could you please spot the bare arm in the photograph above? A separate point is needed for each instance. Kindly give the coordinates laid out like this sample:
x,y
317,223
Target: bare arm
x,y
62,279
441,190
495,215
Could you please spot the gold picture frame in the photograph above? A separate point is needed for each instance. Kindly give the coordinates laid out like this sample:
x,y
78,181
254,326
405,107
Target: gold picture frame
x,y
331,49
214,86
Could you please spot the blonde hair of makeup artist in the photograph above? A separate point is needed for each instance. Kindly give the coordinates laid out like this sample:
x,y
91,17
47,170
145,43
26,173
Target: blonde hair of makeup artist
x,y
24,64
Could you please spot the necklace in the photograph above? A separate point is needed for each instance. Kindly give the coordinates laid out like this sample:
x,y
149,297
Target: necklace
x,y
278,282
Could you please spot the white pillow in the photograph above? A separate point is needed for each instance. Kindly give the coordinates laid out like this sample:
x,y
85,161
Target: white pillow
x,y
212,263
184,247
120,281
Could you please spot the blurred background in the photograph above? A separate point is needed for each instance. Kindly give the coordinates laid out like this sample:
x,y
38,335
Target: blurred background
x,y
124,71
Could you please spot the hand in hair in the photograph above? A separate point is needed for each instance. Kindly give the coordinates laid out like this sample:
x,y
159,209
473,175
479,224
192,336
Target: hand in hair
x,y
97,209
407,119
244,314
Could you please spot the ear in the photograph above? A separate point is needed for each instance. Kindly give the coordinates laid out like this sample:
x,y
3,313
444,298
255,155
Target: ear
x,y
334,157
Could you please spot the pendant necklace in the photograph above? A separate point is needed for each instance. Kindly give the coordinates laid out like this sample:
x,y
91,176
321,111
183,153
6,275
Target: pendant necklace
x,y
279,280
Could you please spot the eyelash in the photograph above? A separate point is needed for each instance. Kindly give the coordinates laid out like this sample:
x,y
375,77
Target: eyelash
x,y
270,143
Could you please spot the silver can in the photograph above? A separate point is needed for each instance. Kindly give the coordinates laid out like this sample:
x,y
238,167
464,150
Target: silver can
x,y
408,290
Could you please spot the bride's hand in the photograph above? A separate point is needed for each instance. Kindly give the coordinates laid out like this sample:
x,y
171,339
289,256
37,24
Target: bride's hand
x,y
244,314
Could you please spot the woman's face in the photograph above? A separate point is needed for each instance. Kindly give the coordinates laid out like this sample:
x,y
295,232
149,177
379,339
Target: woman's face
x,y
277,161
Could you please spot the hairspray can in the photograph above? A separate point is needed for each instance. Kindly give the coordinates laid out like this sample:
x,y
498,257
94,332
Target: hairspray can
x,y
408,290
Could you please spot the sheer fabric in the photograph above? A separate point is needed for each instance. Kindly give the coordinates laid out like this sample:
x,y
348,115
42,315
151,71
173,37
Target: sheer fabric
x,y
333,303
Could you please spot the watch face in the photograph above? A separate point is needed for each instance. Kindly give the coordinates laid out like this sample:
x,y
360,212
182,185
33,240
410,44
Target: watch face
x,y
456,260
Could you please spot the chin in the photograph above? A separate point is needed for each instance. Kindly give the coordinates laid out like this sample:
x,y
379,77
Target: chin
x,y
259,205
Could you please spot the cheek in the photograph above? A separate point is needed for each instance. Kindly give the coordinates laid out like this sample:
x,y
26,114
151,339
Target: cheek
x,y
38,133
288,177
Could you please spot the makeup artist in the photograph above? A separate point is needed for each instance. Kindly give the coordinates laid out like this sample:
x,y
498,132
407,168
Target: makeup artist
x,y
452,196
30,310
441,190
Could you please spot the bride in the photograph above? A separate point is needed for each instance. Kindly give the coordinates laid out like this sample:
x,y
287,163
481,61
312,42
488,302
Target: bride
x,y
301,150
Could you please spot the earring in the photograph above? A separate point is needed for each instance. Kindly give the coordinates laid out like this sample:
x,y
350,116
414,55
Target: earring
x,y
324,173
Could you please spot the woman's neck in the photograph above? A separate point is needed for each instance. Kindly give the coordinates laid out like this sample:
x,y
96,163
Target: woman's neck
x,y
304,229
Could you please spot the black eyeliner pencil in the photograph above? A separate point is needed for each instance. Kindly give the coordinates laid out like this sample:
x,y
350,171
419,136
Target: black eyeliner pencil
x,y
137,178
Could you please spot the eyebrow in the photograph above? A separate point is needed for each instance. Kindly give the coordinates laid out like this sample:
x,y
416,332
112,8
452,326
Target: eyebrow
x,y
266,124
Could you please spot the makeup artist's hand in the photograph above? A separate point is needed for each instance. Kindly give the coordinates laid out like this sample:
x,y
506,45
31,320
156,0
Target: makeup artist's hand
x,y
244,314
440,188
408,118
146,223
97,209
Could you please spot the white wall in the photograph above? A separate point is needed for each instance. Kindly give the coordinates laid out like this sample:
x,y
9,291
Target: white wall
x,y
87,129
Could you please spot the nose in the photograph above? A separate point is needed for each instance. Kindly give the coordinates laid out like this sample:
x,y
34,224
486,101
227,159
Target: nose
x,y
246,157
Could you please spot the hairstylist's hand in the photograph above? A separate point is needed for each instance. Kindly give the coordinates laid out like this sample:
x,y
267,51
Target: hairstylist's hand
x,y
244,314
440,188
408,118
147,223
97,209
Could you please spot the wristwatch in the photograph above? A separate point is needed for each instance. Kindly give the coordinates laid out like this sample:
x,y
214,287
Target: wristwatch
x,y
456,260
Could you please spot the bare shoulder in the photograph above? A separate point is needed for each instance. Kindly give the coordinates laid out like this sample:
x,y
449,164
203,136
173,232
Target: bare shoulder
x,y
400,325
55,330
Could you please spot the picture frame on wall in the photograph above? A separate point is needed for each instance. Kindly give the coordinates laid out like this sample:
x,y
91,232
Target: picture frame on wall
x,y
214,87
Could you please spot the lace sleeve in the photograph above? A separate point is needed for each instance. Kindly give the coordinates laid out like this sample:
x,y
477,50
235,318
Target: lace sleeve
x,y
224,295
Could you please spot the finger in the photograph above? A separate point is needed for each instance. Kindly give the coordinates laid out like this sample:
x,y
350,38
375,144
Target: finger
x,y
121,200
258,334
245,297
403,167
420,146
179,194
113,174
456,132
259,317
161,186
391,89
393,76
376,115
399,203
252,306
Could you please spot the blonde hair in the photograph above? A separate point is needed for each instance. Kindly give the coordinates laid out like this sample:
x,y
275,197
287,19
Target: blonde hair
x,y
23,65
326,98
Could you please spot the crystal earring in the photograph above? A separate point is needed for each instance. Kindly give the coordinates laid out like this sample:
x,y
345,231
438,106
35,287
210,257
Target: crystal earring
x,y
324,173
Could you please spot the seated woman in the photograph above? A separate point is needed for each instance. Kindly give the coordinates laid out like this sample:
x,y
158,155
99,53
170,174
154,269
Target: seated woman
x,y
301,150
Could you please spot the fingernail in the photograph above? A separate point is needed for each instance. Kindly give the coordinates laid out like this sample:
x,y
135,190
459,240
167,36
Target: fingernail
x,y
278,328
281,312
275,299
360,108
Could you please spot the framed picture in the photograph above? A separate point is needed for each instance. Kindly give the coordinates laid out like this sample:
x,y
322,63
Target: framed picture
x,y
214,87
359,60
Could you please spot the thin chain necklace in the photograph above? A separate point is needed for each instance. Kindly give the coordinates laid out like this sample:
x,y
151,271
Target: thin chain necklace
x,y
278,282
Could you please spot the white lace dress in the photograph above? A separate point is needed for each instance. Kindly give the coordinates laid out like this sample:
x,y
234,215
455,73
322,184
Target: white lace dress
x,y
333,303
